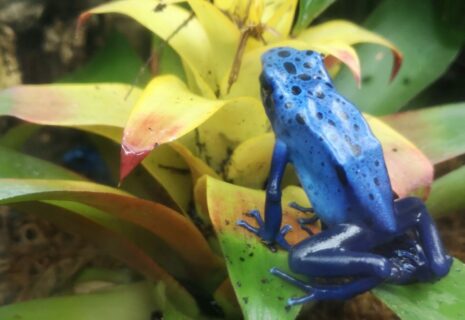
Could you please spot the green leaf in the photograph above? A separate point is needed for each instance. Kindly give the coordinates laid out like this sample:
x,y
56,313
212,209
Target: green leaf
x,y
428,49
437,131
15,137
133,302
18,165
442,300
447,194
115,62
308,11
260,294
178,232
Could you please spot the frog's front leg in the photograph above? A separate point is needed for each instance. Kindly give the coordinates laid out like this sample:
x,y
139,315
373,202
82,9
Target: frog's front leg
x,y
269,230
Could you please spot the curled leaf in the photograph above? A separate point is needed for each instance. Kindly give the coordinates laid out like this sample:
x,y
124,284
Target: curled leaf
x,y
165,111
348,33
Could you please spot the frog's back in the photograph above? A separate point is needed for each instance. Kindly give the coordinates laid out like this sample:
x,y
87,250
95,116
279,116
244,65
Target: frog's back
x,y
338,160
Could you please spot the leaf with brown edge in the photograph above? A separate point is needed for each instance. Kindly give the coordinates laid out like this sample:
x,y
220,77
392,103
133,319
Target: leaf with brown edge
x,y
348,33
409,169
162,221
166,111
260,294
85,106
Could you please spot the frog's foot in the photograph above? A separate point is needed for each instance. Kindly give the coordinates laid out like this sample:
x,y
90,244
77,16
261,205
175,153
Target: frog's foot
x,y
300,208
327,292
261,233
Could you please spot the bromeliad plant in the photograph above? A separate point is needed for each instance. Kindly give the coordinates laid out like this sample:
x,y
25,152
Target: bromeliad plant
x,y
207,143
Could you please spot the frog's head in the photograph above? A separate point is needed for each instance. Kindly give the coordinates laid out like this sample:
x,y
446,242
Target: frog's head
x,y
287,73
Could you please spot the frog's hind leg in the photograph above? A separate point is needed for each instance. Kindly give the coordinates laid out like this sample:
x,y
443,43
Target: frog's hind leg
x,y
412,214
339,252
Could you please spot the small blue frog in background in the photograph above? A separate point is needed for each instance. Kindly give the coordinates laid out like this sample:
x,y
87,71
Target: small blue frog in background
x,y
369,237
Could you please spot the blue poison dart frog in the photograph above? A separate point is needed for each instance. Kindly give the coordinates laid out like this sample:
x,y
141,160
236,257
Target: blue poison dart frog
x,y
369,237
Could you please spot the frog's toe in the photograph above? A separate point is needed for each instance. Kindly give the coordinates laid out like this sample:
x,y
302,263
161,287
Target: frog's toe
x,y
244,224
300,208
303,222
255,214
288,278
281,240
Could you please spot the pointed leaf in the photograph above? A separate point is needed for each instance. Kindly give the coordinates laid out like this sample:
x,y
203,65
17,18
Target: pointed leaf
x,y
437,131
345,32
153,123
428,301
278,16
260,294
84,107
165,111
223,40
160,220
191,42
308,11
428,47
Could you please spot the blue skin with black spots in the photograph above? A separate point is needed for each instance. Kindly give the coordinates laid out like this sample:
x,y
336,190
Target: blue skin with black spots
x,y
370,237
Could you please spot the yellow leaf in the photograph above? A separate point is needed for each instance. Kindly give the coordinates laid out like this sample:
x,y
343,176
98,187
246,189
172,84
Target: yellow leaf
x,y
165,111
238,120
279,16
191,42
